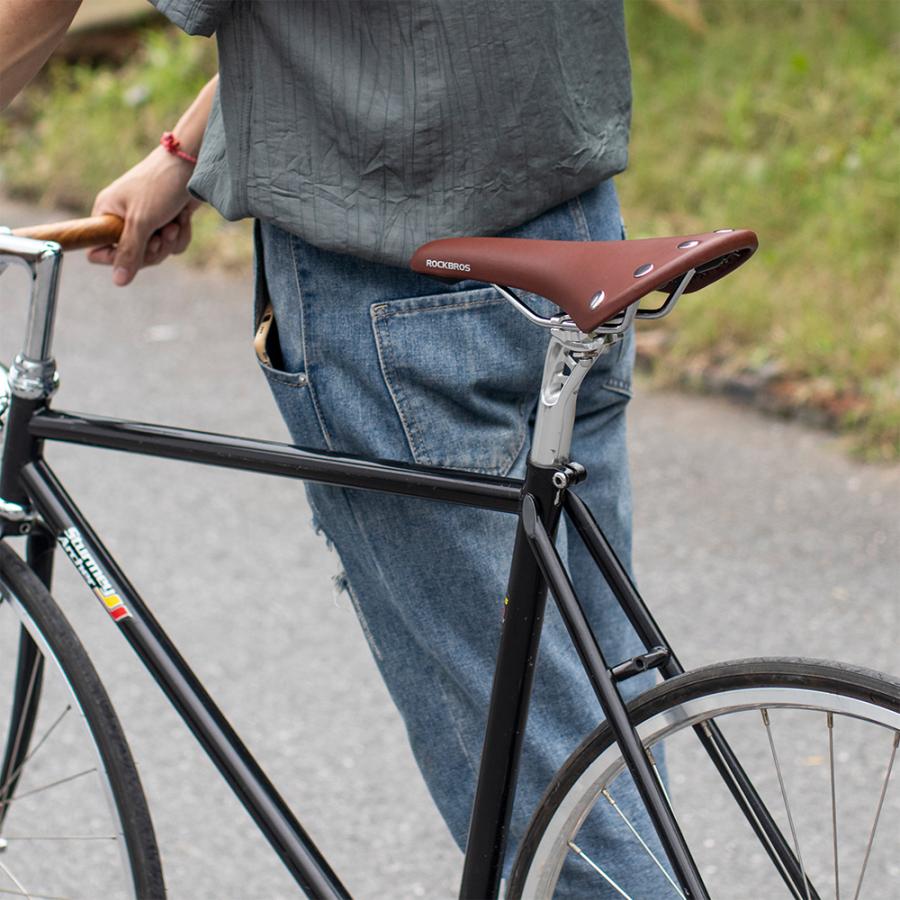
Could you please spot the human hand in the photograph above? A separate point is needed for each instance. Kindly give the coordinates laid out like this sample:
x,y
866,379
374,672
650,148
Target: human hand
x,y
153,201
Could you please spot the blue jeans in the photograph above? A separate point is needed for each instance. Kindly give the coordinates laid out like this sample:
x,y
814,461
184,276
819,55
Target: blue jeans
x,y
387,363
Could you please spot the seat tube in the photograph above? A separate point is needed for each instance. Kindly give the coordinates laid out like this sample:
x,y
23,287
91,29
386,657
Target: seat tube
x,y
523,614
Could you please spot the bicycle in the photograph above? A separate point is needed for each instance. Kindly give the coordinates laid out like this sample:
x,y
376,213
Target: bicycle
x,y
700,716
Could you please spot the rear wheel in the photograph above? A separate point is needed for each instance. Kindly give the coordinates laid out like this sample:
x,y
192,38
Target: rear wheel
x,y
820,744
74,821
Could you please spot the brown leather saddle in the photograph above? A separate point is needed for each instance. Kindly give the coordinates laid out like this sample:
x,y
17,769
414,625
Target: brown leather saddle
x,y
591,281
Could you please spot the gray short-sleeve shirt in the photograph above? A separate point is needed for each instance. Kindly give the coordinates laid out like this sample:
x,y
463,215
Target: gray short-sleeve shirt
x,y
371,126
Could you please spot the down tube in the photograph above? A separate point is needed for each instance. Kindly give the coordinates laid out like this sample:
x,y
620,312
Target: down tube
x,y
209,726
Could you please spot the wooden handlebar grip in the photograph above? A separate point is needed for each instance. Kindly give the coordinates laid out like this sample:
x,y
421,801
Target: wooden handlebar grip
x,y
76,234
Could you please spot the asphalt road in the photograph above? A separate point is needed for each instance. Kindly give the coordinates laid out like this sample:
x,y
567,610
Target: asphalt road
x,y
753,536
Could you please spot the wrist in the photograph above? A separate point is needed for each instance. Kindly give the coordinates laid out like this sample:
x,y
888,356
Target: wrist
x,y
162,164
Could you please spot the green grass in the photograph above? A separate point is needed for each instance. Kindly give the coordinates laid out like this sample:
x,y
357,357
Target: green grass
x,y
783,116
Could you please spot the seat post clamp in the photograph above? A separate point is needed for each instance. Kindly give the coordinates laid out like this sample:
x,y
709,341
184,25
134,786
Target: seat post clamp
x,y
569,474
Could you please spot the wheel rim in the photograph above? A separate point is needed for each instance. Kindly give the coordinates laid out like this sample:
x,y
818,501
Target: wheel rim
x,y
62,835
869,857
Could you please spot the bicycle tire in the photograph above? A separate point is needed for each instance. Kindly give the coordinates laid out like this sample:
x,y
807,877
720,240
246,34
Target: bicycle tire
x,y
714,693
128,809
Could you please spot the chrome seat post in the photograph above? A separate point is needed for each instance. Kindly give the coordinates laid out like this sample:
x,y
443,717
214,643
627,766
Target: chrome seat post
x,y
33,372
570,355
569,358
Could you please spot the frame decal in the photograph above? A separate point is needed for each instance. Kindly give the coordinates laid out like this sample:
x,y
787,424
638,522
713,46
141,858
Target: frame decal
x,y
72,542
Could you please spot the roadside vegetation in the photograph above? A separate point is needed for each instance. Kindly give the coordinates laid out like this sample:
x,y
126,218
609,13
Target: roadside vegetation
x,y
782,116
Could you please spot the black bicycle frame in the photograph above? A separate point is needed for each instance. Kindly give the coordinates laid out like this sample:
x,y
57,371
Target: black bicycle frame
x,y
537,501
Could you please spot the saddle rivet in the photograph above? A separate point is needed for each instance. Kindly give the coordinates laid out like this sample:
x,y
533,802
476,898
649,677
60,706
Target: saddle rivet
x,y
686,245
597,299
723,230
643,270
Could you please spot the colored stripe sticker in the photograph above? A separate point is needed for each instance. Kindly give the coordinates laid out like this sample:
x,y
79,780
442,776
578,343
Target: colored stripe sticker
x,y
113,603
75,548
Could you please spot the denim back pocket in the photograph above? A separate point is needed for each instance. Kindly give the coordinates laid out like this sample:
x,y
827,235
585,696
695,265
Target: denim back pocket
x,y
285,385
463,370
291,396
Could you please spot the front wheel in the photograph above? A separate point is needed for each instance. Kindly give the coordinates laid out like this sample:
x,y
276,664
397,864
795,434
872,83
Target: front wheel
x,y
819,741
74,821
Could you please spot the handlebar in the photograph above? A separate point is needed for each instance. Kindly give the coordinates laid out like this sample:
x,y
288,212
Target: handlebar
x,y
77,234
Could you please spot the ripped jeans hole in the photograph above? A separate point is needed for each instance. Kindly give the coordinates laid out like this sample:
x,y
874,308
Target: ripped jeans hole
x,y
341,594
320,531
341,587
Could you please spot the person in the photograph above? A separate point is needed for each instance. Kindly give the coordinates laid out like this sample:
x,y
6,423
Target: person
x,y
353,132
30,30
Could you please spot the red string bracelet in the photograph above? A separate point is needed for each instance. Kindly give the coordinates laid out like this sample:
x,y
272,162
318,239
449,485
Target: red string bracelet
x,y
173,146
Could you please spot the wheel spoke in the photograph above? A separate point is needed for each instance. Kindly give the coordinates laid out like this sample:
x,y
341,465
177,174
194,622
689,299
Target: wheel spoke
x,y
46,787
35,670
659,778
787,806
641,841
15,881
14,774
576,849
829,718
61,837
8,893
753,821
884,787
